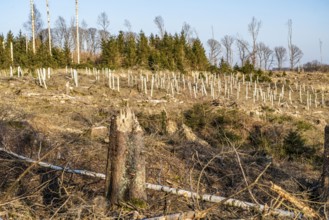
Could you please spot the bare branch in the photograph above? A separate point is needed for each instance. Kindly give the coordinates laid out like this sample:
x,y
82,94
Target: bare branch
x,y
158,20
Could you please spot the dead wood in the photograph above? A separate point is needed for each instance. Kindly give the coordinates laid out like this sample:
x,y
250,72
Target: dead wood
x,y
308,211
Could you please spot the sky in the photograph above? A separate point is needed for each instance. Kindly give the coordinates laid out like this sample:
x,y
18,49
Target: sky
x,y
310,19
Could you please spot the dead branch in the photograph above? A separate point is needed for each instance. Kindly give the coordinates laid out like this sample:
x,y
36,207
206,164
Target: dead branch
x,y
206,197
308,211
178,216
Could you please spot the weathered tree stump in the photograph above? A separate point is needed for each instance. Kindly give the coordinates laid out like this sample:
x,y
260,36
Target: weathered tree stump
x,y
325,171
125,174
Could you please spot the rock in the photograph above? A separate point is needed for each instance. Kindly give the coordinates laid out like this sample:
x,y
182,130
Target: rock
x,y
99,132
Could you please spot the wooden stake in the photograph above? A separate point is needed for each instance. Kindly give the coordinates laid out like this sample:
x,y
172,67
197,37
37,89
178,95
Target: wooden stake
x,y
152,84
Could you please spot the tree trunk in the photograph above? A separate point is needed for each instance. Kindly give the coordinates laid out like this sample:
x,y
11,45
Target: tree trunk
x,y
11,52
325,172
77,30
49,33
125,175
33,25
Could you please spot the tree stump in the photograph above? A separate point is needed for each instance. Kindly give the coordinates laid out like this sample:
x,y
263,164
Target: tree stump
x,y
325,171
125,174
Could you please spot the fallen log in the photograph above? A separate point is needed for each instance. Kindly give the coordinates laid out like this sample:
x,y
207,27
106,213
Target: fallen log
x,y
206,197
225,201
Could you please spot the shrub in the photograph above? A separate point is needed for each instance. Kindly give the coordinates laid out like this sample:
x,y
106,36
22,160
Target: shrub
x,y
303,125
294,147
214,126
196,117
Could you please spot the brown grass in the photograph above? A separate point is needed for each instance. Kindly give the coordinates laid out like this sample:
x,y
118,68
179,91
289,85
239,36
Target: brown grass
x,y
34,121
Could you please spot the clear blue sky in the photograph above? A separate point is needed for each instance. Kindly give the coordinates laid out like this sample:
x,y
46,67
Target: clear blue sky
x,y
310,18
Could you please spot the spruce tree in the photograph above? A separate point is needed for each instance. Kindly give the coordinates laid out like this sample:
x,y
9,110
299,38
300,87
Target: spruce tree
x,y
4,55
130,51
110,56
121,47
143,51
199,58
179,52
20,54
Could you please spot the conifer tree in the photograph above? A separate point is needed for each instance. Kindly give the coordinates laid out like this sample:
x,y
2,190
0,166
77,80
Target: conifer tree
x,y
9,40
179,52
143,50
110,53
121,47
4,56
199,59
130,51
21,57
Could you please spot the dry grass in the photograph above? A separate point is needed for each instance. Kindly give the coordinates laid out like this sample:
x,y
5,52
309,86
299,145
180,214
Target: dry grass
x,y
35,121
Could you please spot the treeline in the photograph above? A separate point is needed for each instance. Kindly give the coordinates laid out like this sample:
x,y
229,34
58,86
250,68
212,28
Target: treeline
x,y
126,50
316,66
17,51
170,52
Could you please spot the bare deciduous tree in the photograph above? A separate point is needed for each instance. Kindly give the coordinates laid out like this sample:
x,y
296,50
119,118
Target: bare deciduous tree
x,y
253,29
92,41
268,57
243,48
62,33
128,25
227,42
296,55
104,22
280,54
265,55
260,53
215,49
159,22
188,32
83,35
